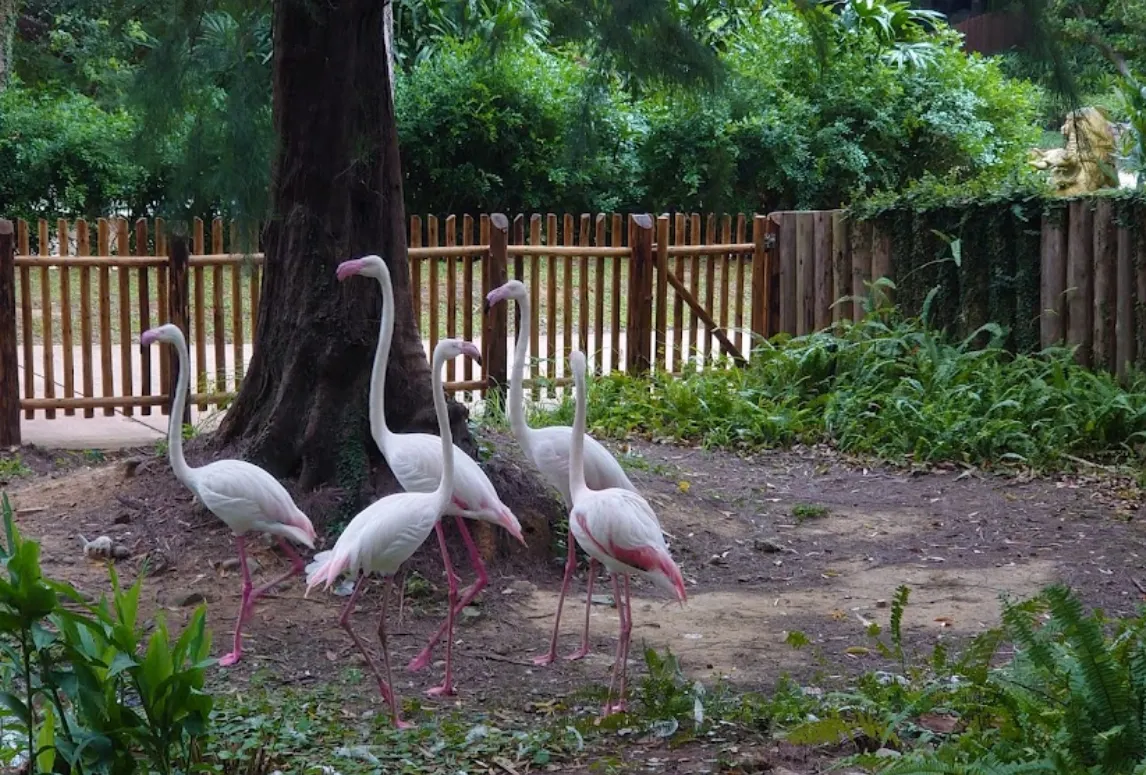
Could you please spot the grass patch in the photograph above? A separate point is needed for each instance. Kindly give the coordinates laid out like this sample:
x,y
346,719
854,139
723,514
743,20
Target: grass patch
x,y
888,387
13,466
802,512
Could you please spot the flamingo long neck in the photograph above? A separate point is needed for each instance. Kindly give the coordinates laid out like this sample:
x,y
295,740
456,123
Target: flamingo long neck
x,y
517,421
183,472
577,445
378,428
446,486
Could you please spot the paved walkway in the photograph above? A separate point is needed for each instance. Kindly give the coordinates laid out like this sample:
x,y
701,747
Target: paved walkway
x,y
118,431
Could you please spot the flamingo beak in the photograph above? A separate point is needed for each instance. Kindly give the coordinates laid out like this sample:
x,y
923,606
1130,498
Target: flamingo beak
x,y
471,351
514,529
348,269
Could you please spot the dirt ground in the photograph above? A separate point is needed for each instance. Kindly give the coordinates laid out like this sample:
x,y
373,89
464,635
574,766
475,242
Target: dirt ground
x,y
782,541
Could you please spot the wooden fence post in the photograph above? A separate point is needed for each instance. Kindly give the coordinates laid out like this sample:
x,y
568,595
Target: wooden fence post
x,y
9,366
761,274
639,328
495,324
662,290
178,313
1052,316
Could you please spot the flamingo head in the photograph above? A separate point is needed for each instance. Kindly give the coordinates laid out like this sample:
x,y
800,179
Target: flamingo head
x,y
371,266
169,333
452,348
509,523
514,289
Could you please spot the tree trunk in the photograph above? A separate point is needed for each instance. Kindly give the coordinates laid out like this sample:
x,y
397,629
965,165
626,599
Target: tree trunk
x,y
337,194
9,13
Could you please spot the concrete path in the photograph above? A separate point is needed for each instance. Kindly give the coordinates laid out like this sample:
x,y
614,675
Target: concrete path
x,y
118,431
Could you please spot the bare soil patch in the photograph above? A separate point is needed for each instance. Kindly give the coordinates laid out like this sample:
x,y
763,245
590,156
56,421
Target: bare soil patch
x,y
784,541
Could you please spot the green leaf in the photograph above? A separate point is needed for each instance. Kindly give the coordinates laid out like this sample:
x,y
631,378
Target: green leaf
x,y
45,741
16,706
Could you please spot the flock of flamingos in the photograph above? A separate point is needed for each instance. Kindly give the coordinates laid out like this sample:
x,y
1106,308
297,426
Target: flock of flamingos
x,y
608,519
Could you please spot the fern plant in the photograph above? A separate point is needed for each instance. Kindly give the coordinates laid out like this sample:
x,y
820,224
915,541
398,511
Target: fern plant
x,y
1073,700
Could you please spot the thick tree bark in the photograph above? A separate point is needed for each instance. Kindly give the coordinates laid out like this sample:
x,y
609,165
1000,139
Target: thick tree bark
x,y
337,194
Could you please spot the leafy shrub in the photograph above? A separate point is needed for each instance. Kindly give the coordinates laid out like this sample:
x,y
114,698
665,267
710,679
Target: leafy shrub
x,y
83,685
888,387
63,156
482,133
785,133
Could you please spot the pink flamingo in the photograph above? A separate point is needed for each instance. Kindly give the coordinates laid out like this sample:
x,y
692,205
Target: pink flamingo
x,y
416,460
243,495
548,449
617,528
387,532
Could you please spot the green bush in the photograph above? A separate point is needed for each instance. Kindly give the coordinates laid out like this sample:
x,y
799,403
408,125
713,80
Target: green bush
x,y
83,684
481,134
894,389
786,133
63,156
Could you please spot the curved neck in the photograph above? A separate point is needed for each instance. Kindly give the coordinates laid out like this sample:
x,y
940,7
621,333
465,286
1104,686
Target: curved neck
x,y
378,428
446,486
175,426
516,388
577,445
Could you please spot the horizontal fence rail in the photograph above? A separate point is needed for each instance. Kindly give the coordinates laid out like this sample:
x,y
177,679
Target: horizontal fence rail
x,y
633,292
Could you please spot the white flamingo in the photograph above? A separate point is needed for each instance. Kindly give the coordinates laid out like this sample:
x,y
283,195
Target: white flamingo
x,y
243,495
619,529
387,533
548,449
416,460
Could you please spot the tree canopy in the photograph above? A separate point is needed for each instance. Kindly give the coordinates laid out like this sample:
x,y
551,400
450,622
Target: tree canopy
x,y
521,104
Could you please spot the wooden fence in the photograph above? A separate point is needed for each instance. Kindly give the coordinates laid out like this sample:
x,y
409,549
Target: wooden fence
x,y
633,291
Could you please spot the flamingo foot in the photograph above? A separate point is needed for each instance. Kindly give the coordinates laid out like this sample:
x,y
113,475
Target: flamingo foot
x,y
609,710
400,724
230,659
580,653
545,659
445,690
420,662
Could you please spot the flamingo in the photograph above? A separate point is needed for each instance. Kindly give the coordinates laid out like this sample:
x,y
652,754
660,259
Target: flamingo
x,y
241,494
416,460
548,449
619,529
387,532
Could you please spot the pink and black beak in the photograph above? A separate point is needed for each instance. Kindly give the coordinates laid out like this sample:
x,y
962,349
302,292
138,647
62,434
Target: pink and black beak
x,y
471,351
349,268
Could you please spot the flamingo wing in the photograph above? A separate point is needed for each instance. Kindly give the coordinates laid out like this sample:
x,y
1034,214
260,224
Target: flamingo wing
x,y
416,460
623,528
248,498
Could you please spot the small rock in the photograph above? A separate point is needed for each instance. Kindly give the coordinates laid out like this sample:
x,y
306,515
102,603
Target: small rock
x,y
131,466
123,518
769,547
190,599
229,564
471,612
523,587
120,552
500,649
887,753
881,604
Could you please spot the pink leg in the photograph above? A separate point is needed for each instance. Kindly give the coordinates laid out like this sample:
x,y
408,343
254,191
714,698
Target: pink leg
x,y
398,723
400,582
344,621
447,686
570,564
584,650
244,607
297,567
622,614
626,638
423,659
